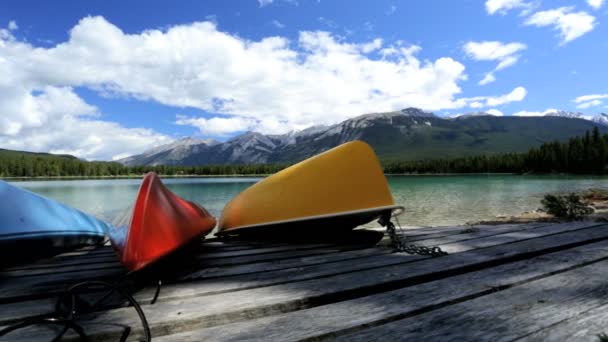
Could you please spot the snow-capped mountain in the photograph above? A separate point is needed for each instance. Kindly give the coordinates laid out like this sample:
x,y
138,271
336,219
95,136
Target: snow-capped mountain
x,y
601,118
468,115
566,114
410,133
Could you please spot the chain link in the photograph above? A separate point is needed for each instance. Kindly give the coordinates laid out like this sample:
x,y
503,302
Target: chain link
x,y
399,245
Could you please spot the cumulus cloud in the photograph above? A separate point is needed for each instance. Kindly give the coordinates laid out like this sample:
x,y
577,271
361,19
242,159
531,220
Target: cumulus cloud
x,y
270,85
506,54
56,120
504,6
596,4
532,113
265,2
12,25
587,101
570,24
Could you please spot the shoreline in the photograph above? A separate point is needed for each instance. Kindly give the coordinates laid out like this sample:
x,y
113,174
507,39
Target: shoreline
x,y
595,198
52,178
261,175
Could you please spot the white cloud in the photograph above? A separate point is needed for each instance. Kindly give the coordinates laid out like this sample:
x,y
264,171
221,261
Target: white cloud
x,y
587,101
12,25
217,126
58,121
492,50
518,94
488,78
269,85
494,112
391,10
506,54
596,4
503,6
277,24
532,113
571,25
586,98
592,103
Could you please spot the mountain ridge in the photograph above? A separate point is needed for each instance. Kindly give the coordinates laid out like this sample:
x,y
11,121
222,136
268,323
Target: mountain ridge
x,y
408,134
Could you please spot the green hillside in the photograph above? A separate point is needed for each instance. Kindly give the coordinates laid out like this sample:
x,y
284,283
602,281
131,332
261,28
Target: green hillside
x,y
473,136
31,164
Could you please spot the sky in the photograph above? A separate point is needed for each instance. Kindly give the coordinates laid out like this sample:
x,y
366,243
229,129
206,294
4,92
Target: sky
x,y
107,79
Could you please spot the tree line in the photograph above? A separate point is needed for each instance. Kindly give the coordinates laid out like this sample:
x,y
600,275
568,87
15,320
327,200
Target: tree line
x,y
16,164
578,155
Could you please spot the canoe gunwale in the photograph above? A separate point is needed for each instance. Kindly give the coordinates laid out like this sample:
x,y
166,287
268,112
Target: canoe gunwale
x,y
50,234
395,210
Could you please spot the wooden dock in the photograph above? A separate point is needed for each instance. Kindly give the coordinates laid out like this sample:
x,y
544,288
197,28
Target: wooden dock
x,y
531,282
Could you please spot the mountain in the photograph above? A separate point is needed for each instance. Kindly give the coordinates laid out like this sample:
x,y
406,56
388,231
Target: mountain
x,y
601,118
566,114
409,134
170,154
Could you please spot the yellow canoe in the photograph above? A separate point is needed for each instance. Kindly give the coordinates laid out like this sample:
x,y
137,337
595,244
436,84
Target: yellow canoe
x,y
334,191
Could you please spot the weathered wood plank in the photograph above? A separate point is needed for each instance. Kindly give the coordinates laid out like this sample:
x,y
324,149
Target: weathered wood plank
x,y
101,263
583,327
206,255
335,319
277,272
496,229
304,272
505,315
250,259
202,311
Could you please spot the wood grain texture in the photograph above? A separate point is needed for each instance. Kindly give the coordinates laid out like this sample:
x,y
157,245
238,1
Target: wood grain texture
x,y
252,290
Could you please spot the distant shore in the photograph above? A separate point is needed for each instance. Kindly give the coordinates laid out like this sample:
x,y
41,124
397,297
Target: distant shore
x,y
43,178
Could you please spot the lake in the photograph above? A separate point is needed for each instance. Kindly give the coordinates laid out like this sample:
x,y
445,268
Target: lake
x,y
429,200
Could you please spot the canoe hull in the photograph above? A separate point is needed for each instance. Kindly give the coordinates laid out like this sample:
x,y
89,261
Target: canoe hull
x,y
336,186
33,227
312,228
161,222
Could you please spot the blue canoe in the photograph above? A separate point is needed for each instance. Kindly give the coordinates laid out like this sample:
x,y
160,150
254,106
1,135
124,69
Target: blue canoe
x,y
32,226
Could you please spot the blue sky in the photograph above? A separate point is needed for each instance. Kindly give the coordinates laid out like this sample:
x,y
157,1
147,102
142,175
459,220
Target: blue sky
x,y
106,79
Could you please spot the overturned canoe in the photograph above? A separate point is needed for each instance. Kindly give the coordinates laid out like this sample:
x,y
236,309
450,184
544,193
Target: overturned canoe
x,y
160,223
332,192
32,226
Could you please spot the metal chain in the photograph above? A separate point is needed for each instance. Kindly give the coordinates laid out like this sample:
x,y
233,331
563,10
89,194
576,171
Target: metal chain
x,y
399,244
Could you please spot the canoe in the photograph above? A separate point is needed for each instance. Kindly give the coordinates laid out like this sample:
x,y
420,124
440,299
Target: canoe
x,y
32,226
329,193
161,222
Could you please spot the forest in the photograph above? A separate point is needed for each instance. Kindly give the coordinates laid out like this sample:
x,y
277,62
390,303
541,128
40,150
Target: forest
x,y
579,155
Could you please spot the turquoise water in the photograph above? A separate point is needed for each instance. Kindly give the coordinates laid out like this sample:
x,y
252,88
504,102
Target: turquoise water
x,y
429,200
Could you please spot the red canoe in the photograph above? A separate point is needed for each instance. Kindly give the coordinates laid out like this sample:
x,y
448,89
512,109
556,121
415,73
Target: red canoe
x,y
161,222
